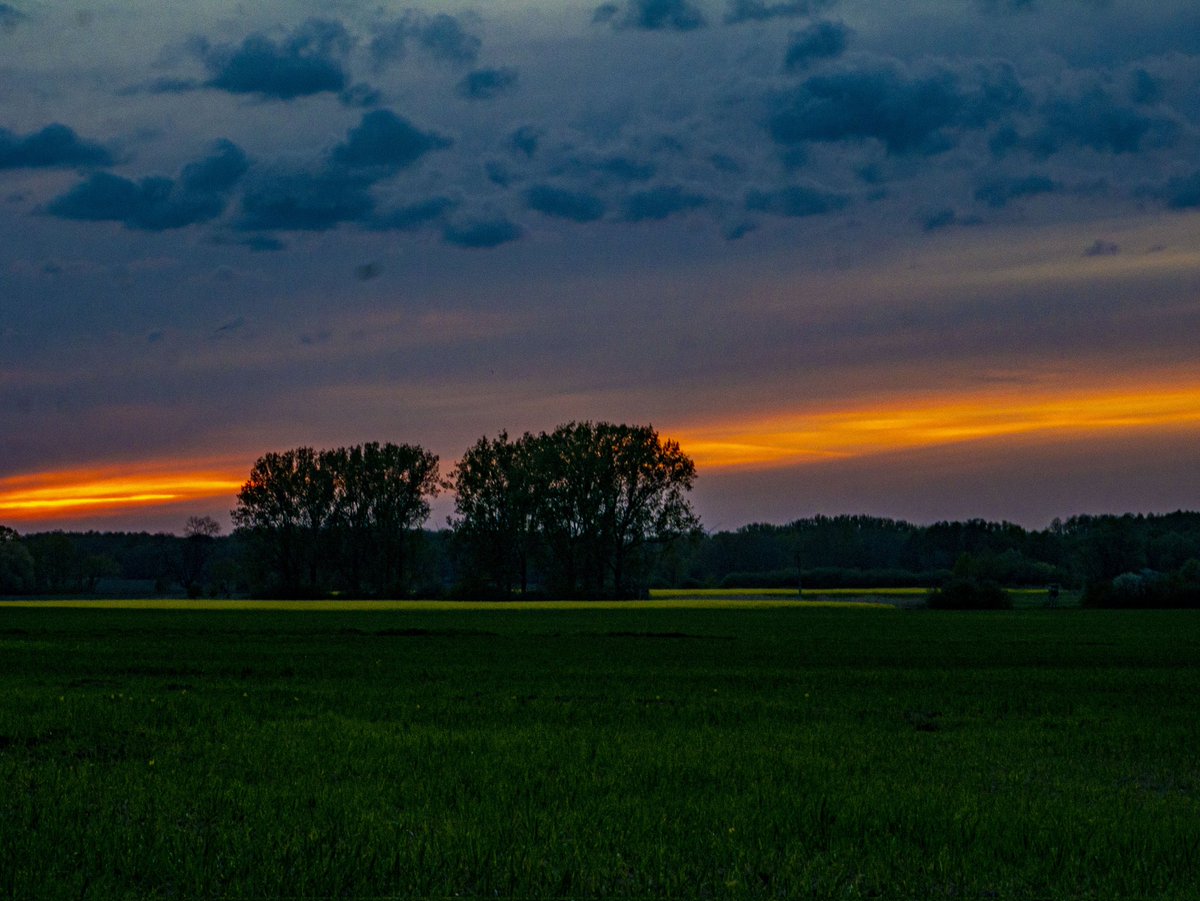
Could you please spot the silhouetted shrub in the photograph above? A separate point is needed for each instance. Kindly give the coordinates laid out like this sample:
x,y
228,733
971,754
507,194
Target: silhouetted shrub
x,y
969,594
1147,589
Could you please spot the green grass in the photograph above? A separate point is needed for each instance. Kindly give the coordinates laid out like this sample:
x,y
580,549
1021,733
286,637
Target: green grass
x,y
756,751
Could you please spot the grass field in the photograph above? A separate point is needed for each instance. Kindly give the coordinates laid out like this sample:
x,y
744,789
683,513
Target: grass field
x,y
687,751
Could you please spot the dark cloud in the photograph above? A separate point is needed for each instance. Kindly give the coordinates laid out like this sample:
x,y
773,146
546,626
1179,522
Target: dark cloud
x,y
54,145
525,140
563,204
945,217
661,202
157,204
1184,193
386,142
760,11
1102,248
999,192
498,173
626,169
820,40
906,113
651,15
486,84
441,36
217,172
10,17
1093,119
152,204
935,220
305,202
307,61
361,95
262,243
794,201
1144,88
481,233
722,162
368,271
415,216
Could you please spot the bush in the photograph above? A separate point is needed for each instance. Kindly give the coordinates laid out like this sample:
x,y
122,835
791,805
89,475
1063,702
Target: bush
x,y
1147,590
969,594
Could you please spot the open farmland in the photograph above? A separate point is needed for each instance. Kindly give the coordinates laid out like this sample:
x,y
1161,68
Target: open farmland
x,y
665,750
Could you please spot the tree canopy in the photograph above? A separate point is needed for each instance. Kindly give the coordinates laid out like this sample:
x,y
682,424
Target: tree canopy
x,y
584,504
337,519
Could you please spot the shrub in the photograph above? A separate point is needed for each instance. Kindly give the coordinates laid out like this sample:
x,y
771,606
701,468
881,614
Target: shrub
x,y
1147,589
969,594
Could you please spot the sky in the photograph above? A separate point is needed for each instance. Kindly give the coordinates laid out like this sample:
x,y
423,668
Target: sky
x,y
936,259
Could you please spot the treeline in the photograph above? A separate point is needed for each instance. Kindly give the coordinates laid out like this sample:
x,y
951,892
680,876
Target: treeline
x,y
1121,560
588,510
129,564
577,512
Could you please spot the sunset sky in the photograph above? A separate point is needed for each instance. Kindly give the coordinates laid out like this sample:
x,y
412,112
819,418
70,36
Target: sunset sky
x,y
931,259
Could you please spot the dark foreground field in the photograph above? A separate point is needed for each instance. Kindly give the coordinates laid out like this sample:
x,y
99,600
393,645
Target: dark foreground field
x,y
687,753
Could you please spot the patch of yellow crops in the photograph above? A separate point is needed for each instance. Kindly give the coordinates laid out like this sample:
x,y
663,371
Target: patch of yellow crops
x,y
715,593
689,602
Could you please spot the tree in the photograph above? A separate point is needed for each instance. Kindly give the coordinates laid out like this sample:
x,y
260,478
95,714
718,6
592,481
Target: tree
x,y
381,496
595,498
16,564
319,517
200,533
496,502
277,507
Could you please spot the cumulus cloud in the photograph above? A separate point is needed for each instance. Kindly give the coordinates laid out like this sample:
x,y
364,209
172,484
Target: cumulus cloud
x,y
578,206
216,173
416,215
1144,88
759,10
794,201
441,36
999,192
305,201
54,145
820,40
525,140
1095,119
157,204
651,15
10,17
661,202
481,233
307,61
386,142
486,84
906,113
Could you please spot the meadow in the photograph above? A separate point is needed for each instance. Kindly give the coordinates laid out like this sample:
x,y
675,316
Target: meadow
x,y
671,749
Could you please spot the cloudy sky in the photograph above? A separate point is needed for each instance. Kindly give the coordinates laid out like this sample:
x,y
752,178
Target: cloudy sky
x,y
927,259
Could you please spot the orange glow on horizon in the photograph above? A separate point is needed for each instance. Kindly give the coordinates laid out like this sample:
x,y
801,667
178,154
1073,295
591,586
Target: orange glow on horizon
x,y
927,422
113,489
771,441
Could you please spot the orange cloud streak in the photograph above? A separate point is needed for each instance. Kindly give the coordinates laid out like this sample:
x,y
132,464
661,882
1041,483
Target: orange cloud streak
x,y
113,489
839,434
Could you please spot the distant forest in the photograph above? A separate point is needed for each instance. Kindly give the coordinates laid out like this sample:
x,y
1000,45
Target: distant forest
x,y
818,552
